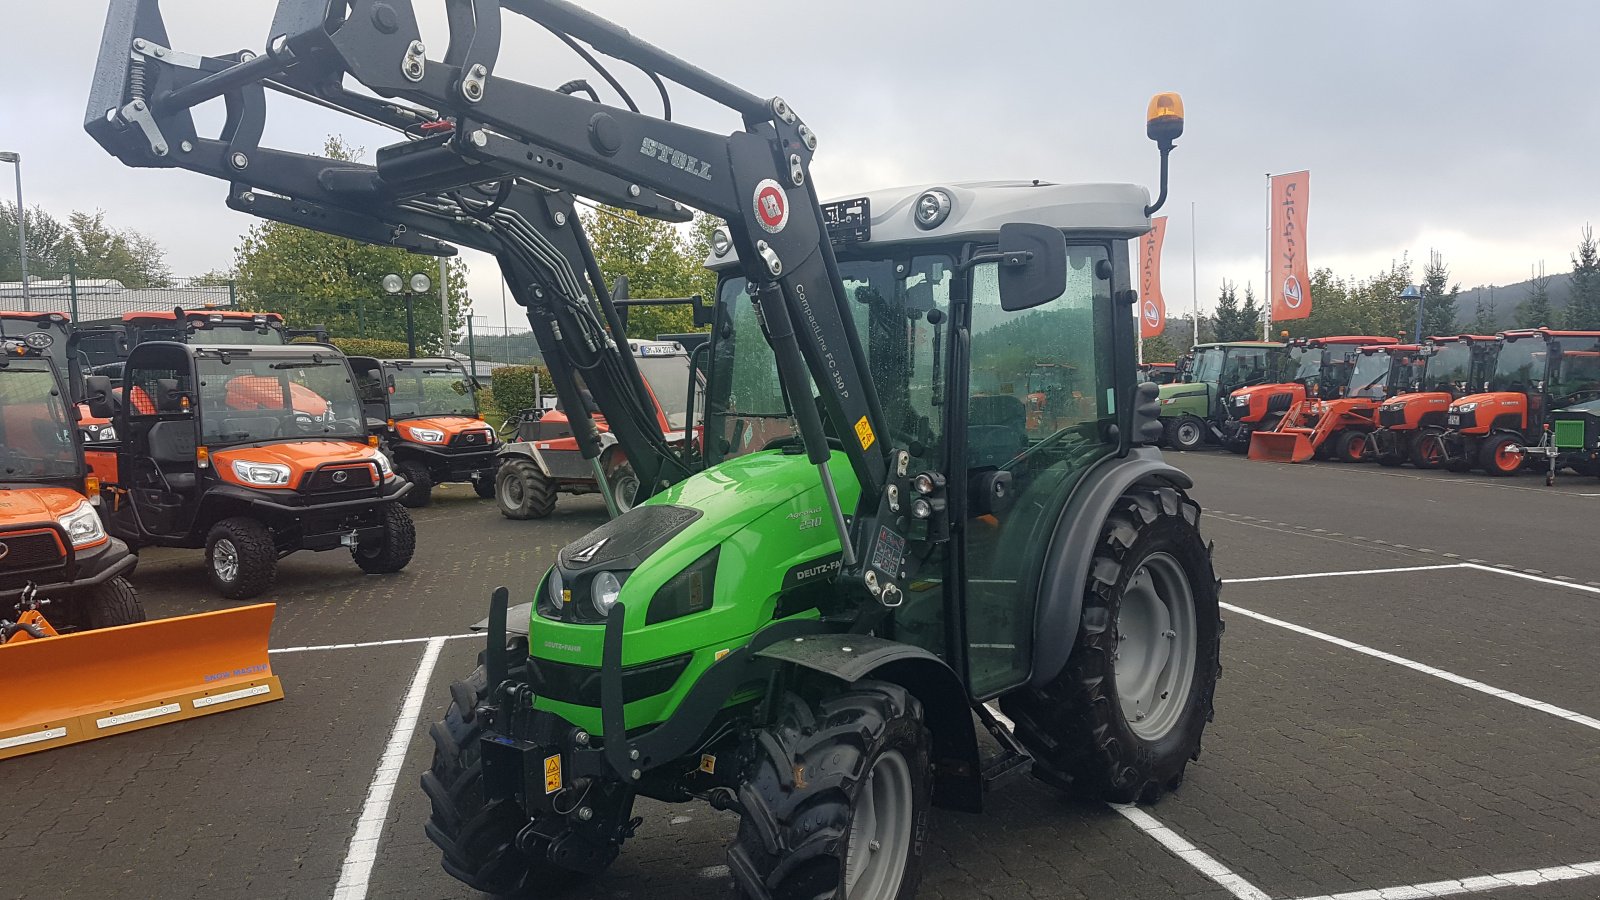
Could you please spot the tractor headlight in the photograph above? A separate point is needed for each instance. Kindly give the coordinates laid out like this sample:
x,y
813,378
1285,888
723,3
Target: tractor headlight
x,y
721,242
1241,401
932,208
426,435
262,474
559,595
106,433
1464,408
604,589
83,526
385,468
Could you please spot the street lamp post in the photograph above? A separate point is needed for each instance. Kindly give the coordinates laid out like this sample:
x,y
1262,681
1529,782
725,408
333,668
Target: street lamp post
x,y
419,284
1411,293
22,223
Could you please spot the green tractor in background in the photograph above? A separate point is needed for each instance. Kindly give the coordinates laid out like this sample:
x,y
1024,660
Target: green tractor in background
x,y
1193,410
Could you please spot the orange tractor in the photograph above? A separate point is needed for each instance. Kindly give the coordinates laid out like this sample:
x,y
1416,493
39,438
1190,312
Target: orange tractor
x,y
1452,367
1536,371
1321,370
1339,427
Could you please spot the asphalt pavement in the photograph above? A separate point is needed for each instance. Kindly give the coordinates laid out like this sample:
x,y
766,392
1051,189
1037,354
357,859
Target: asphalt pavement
x,y
1407,707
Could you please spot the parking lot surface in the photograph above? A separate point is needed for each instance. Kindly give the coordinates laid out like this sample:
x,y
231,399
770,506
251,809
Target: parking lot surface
x,y
1406,711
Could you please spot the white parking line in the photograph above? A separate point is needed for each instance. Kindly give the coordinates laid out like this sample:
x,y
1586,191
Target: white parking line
x,y
1354,572
356,874
1203,862
1478,885
1528,577
365,644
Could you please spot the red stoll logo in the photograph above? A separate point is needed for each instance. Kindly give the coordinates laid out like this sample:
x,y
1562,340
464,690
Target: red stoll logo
x,y
771,206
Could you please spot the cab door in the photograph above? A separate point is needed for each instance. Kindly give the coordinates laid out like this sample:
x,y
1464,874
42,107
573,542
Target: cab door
x,y
157,460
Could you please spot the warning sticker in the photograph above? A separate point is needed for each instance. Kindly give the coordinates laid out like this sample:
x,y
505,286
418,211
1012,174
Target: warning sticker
x,y
552,774
864,434
708,764
771,206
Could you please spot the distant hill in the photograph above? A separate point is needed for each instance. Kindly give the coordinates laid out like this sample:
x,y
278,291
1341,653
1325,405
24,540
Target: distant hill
x,y
1506,297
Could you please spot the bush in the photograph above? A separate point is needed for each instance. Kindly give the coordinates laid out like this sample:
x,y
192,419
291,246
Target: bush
x,y
513,387
371,347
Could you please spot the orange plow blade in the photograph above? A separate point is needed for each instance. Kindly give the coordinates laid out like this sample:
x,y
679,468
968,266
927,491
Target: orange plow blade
x,y
92,684
1279,446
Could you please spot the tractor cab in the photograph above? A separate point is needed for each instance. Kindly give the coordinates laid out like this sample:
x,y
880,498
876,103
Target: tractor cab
x,y
1384,370
1318,368
197,327
252,453
1160,373
1450,367
1193,408
426,413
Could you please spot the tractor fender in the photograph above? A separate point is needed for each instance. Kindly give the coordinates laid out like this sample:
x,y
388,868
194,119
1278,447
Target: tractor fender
x,y
1071,552
522,450
958,782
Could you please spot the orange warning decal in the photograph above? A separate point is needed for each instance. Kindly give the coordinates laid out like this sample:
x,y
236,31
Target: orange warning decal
x,y
864,434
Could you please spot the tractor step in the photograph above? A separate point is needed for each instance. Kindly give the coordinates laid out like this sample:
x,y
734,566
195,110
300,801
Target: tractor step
x,y
1011,759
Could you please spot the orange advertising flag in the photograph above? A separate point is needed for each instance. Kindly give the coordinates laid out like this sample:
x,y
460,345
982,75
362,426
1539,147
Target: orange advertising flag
x,y
1290,283
1152,307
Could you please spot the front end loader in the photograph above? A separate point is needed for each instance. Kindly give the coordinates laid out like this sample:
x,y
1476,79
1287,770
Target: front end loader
x,y
804,631
1352,375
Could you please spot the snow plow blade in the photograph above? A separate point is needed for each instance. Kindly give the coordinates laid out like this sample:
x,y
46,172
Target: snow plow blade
x,y
93,684
1274,446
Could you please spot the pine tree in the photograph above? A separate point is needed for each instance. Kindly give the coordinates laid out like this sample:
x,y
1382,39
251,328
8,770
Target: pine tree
x,y
1583,308
1484,320
1535,311
1438,298
1249,316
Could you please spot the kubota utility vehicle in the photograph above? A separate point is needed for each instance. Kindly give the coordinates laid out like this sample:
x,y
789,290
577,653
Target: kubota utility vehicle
x,y
545,460
200,327
1452,366
1536,371
426,413
218,450
51,538
1339,428
1194,410
1317,368
736,637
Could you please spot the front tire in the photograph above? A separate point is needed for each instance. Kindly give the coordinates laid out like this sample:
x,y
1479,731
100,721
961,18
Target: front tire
x,y
241,558
1351,446
1185,433
624,486
1428,451
394,550
1126,714
484,485
836,805
421,493
1502,455
522,491
111,603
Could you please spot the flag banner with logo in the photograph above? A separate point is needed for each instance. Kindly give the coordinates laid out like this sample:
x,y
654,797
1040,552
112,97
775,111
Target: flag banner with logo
x,y
1290,284
1152,307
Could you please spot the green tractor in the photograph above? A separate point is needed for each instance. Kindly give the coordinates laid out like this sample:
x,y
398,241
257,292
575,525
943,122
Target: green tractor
x,y
807,620
1192,410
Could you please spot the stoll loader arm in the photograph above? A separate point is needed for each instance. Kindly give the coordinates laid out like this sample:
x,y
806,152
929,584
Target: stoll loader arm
x,y
443,186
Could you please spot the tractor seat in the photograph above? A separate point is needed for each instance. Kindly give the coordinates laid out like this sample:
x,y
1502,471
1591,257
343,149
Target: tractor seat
x,y
997,430
172,449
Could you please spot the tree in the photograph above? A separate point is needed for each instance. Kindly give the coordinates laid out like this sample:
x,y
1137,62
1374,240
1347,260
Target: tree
x,y
1370,306
1484,320
125,255
659,261
1438,299
1229,320
1535,311
311,277
1583,305
1249,316
48,244
1162,347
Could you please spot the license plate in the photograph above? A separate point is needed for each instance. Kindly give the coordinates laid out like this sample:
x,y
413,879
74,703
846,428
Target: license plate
x,y
1452,420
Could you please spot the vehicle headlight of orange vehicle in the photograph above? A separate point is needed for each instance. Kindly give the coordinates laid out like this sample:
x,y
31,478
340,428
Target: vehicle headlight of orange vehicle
x,y
262,474
83,526
385,468
426,435
1464,408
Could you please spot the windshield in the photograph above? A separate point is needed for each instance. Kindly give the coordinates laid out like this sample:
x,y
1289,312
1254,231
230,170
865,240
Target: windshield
x,y
225,335
1371,375
35,435
1449,368
1207,366
244,399
1520,364
668,377
1248,365
436,391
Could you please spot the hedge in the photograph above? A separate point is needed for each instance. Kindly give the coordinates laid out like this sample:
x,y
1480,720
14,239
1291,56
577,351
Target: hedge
x,y
513,387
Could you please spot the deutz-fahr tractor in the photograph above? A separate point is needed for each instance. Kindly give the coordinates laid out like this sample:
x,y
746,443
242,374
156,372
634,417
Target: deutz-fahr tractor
x,y
219,450
1451,367
1317,368
1536,371
425,411
805,631
1193,409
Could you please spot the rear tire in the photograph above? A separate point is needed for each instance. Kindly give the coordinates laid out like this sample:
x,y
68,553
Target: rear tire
x,y
838,800
1502,455
1125,716
421,493
1185,433
1351,446
479,838
241,558
484,485
624,486
522,491
1427,451
394,550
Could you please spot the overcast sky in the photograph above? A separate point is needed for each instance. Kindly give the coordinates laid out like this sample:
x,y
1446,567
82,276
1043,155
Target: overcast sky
x,y
1467,127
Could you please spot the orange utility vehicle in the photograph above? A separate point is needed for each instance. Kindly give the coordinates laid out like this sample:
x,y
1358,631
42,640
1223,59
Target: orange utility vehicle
x,y
426,412
1453,366
1536,371
1339,428
1321,370
222,448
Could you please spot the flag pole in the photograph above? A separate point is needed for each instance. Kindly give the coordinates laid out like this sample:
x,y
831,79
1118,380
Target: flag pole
x,y
1266,283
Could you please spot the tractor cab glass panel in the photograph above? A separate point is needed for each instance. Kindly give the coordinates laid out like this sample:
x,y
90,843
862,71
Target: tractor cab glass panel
x,y
668,378
430,391
236,335
1449,368
35,433
1207,365
1247,365
746,409
1370,376
1042,388
1520,365
247,399
1579,374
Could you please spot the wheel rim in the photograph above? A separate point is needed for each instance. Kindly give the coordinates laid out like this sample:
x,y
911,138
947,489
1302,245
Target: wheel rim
x,y
880,831
1156,647
225,560
1358,446
1431,451
512,492
623,491
1508,457
1188,434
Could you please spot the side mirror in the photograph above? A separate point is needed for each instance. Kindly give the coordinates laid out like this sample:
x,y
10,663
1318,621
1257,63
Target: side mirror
x,y
97,394
1033,265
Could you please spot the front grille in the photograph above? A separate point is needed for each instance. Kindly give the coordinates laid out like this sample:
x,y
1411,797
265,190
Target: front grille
x,y
25,550
580,685
472,439
341,478
1390,418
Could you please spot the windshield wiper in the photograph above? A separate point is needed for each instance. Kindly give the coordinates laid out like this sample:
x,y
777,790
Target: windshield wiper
x,y
302,365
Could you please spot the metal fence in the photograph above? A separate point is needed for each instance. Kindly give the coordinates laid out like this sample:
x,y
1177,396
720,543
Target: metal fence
x,y
87,299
